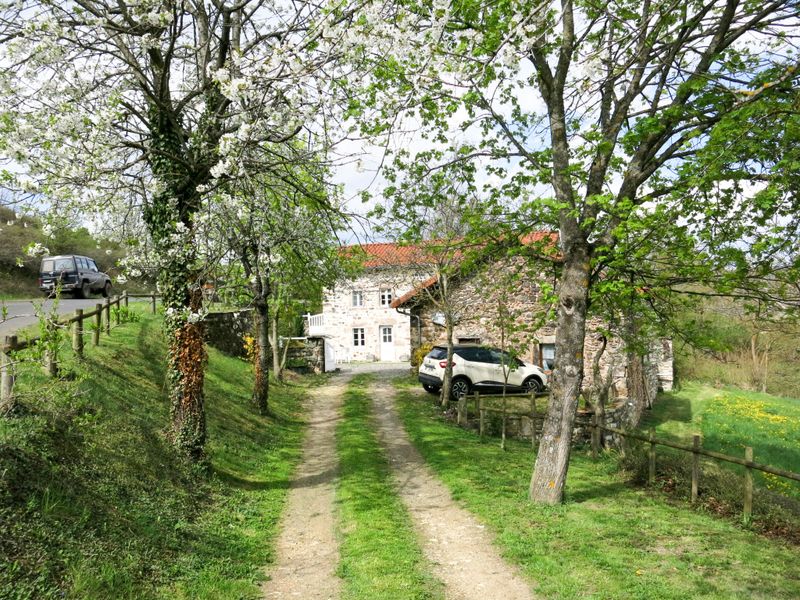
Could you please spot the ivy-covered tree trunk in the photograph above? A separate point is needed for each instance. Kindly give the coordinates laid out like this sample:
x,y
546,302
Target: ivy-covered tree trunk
x,y
182,298
170,220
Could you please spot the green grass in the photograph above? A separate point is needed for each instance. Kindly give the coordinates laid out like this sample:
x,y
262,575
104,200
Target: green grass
x,y
608,540
95,504
380,556
730,419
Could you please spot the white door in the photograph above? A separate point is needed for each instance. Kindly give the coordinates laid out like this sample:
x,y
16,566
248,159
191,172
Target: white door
x,y
387,343
330,357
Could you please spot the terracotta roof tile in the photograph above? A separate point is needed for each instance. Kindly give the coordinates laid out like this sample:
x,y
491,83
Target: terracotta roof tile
x,y
550,238
388,254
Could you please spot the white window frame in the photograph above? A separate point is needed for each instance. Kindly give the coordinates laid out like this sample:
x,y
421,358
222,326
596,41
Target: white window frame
x,y
357,298
359,338
387,295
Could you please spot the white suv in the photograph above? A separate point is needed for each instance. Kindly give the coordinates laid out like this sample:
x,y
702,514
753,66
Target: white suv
x,y
479,368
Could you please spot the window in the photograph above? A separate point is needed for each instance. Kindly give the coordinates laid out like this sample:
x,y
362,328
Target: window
x,y
358,336
386,297
548,355
438,353
386,335
358,299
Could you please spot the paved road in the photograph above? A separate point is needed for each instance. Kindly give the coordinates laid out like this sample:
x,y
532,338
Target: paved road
x,y
22,313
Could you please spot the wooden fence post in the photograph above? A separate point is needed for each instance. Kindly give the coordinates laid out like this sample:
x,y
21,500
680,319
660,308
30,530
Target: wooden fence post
x,y
7,377
748,486
77,333
116,314
482,413
461,409
595,436
153,302
695,466
651,477
125,298
50,366
107,310
98,324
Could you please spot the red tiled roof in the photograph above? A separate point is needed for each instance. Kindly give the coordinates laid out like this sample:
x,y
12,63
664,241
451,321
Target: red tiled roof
x,y
398,302
545,238
394,254
387,254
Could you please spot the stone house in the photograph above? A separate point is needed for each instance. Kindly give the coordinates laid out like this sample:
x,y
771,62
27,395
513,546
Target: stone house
x,y
357,318
389,310
501,304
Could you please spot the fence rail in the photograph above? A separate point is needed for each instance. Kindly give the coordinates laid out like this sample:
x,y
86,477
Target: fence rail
x,y
482,409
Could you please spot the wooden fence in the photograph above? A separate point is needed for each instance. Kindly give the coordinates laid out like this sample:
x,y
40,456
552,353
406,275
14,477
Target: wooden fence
x,y
487,404
697,451
100,318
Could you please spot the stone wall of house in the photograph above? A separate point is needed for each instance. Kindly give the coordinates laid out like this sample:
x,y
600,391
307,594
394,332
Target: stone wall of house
x,y
482,302
306,355
341,317
225,331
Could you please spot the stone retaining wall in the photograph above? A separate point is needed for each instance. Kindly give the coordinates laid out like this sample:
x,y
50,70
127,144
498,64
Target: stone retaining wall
x,y
306,355
225,331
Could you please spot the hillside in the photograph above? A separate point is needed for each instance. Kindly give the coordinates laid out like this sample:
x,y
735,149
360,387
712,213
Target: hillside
x,y
94,504
19,272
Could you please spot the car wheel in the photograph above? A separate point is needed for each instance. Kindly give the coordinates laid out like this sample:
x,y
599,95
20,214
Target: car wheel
x,y
107,289
533,384
431,389
459,387
85,290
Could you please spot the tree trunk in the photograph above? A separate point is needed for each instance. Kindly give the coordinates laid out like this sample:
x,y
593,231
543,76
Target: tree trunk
x,y
552,460
448,370
186,364
277,363
261,384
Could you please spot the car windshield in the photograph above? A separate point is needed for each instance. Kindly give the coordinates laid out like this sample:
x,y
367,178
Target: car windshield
x,y
57,264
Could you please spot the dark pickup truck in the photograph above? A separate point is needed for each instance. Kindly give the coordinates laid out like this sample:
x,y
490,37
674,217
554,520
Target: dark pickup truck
x,y
73,273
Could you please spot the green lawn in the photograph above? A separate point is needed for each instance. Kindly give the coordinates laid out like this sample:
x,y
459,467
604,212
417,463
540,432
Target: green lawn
x,y
94,503
608,540
730,419
380,556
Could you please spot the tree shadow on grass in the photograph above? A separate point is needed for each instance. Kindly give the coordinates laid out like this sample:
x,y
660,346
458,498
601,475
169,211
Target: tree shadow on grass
x,y
234,480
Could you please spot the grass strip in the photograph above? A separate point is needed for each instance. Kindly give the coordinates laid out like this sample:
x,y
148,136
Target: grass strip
x,y
607,540
380,556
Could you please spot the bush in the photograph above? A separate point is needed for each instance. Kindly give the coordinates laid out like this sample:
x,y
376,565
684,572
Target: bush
x,y
419,354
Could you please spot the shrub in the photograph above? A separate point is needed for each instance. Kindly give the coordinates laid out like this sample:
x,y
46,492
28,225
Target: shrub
x,y
419,354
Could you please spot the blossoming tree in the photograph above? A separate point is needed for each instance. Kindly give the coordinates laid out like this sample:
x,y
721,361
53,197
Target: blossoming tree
x,y
151,106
